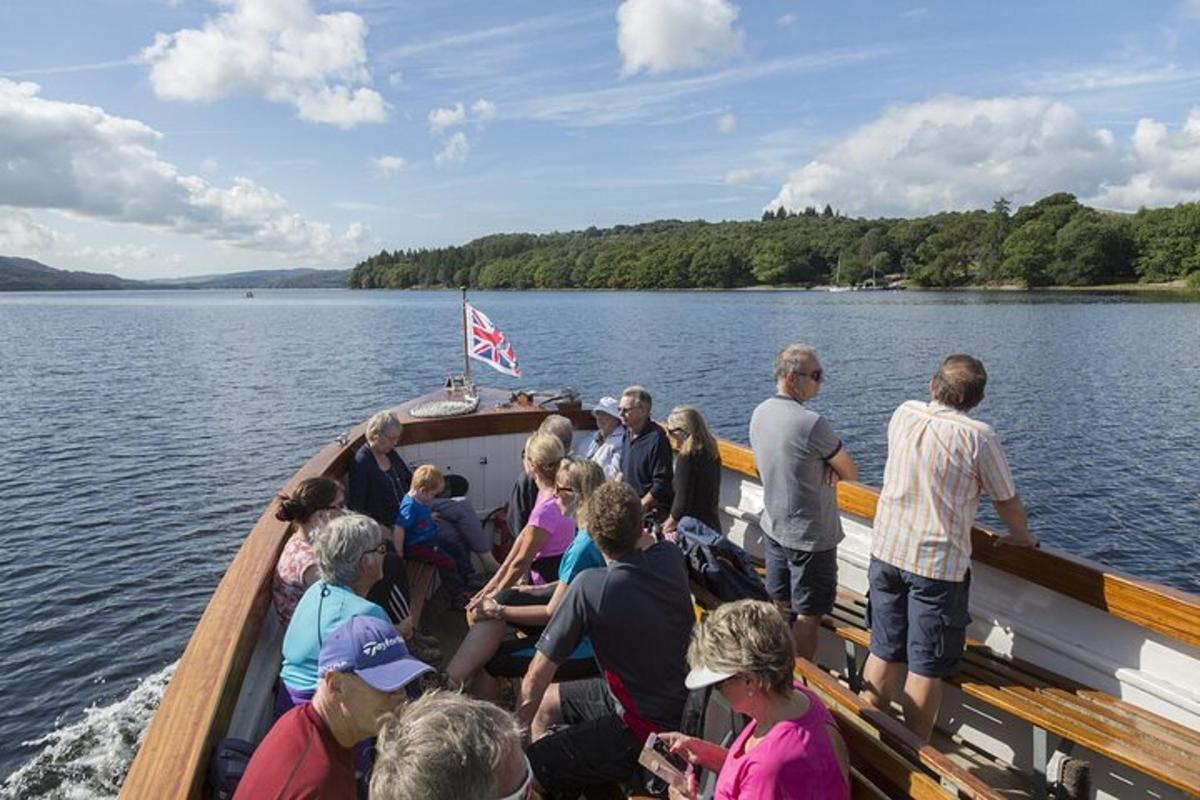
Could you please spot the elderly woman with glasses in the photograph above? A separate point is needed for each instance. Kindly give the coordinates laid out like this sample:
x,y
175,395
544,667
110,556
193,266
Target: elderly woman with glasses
x,y
697,481
349,554
792,747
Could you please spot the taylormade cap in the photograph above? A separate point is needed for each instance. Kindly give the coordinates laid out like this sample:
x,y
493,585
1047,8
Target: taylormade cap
x,y
372,650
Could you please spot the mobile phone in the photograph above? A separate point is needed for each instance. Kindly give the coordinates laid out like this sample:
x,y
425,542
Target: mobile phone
x,y
657,757
663,749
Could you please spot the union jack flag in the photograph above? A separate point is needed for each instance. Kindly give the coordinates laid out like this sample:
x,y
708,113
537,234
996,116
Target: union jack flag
x,y
489,345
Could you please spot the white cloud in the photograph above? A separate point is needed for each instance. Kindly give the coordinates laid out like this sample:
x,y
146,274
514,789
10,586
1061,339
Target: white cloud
x,y
483,111
456,149
957,153
442,118
726,123
21,235
281,49
788,19
82,160
665,35
388,166
396,80
1107,77
742,177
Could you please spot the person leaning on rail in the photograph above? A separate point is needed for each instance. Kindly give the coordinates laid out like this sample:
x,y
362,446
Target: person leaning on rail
x,y
363,669
800,460
447,746
938,462
792,747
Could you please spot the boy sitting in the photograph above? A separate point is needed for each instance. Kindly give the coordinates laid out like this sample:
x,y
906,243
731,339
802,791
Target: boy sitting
x,y
415,535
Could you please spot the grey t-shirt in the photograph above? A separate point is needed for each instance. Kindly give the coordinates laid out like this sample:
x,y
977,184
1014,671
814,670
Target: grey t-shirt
x,y
791,447
638,615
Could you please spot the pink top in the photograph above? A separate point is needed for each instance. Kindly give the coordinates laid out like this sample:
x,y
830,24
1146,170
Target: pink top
x,y
287,587
549,517
794,761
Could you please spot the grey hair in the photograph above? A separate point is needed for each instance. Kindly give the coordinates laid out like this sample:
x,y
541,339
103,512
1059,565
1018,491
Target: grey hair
x,y
639,394
748,637
443,745
379,424
561,427
339,545
790,360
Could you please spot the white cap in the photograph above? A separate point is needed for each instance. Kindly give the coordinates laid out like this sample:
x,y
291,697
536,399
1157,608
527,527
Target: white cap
x,y
699,678
607,405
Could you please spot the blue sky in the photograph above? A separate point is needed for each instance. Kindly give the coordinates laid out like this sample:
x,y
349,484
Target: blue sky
x,y
157,139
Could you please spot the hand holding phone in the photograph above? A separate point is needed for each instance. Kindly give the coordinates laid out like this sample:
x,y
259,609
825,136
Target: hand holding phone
x,y
657,757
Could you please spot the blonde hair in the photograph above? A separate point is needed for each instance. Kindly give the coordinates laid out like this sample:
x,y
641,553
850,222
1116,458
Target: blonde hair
x,y
584,476
544,451
748,637
697,436
380,423
427,477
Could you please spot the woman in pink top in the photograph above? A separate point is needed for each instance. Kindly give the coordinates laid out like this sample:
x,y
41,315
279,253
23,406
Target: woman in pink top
x,y
311,504
546,536
791,749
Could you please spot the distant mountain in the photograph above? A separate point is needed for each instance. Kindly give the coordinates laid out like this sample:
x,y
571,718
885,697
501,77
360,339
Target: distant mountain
x,y
25,274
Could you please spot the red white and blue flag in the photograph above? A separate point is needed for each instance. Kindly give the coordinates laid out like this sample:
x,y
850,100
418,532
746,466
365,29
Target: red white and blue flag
x,y
489,344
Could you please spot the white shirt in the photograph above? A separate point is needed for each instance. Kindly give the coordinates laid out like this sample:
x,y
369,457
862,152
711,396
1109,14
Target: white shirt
x,y
605,450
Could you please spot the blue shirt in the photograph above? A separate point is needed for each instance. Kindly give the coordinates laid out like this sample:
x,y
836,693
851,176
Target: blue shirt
x,y
319,613
581,554
417,521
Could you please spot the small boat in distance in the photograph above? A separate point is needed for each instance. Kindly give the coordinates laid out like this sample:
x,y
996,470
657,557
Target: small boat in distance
x,y
249,295
1069,662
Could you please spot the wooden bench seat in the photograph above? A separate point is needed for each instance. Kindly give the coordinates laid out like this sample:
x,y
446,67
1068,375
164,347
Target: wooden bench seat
x,y
1054,705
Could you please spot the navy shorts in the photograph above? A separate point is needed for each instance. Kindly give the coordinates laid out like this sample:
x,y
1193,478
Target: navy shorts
x,y
808,581
916,620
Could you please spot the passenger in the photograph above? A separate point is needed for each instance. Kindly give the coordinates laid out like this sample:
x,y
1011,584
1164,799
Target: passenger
x,y
416,537
800,460
363,670
446,746
792,747
525,491
646,458
313,502
697,482
349,555
529,608
538,548
605,445
939,460
638,615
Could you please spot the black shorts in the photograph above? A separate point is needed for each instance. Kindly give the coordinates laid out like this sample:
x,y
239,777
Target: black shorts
x,y
916,620
596,749
806,580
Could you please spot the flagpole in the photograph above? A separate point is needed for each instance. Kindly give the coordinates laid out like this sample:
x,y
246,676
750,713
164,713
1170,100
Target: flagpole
x,y
466,349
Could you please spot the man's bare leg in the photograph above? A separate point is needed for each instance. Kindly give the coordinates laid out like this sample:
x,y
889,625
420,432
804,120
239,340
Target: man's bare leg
x,y
881,681
548,715
921,699
805,631
481,643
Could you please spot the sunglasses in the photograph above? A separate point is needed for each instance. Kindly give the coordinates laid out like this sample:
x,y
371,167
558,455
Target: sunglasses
x,y
624,410
817,375
560,489
677,431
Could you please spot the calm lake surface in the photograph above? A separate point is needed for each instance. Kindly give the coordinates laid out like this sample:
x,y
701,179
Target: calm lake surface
x,y
141,434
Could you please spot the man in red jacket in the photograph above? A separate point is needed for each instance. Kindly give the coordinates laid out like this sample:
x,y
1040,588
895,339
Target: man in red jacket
x,y
362,671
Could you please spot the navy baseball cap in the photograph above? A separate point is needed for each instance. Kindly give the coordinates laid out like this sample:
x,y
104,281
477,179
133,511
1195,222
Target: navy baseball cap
x,y
371,649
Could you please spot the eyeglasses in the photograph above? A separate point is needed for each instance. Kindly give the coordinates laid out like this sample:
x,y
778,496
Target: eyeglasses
x,y
560,489
523,792
379,550
817,375
624,410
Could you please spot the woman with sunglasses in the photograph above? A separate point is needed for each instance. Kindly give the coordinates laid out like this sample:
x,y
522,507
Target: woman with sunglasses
x,y
792,748
349,554
315,501
485,654
697,481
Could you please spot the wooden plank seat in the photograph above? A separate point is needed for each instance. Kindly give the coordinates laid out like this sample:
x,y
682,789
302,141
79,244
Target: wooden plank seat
x,y
1051,704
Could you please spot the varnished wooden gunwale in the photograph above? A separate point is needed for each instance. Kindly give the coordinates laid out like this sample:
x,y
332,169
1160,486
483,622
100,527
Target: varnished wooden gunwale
x,y
198,703
1158,608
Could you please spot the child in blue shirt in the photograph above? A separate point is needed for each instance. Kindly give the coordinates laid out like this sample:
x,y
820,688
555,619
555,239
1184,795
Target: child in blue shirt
x,y
415,535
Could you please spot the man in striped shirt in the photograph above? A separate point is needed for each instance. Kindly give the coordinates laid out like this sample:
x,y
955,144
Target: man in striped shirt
x,y
939,460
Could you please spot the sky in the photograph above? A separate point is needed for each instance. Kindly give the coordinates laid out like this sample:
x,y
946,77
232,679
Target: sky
x,y
165,138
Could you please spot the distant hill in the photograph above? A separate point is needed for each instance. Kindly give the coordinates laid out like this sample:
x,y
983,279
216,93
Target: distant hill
x,y
25,274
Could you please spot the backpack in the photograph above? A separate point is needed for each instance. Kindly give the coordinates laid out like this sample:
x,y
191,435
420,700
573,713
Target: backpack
x,y
716,564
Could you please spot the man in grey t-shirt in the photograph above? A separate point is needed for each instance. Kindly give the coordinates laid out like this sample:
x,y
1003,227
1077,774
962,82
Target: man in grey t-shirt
x,y
800,460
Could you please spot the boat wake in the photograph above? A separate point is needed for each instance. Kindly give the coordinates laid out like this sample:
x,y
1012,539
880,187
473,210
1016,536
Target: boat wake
x,y
89,758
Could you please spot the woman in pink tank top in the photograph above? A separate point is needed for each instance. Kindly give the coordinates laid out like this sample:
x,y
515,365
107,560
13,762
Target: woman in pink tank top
x,y
791,749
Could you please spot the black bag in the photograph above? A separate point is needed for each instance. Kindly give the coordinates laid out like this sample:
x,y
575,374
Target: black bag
x,y
718,565
227,766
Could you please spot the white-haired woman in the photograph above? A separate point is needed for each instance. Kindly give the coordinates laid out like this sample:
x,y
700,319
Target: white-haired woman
x,y
349,555
791,748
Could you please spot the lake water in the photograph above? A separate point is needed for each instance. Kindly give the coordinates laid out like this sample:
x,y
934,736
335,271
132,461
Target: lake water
x,y
141,434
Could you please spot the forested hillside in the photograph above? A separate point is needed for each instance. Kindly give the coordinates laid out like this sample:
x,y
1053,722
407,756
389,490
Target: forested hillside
x,y
1055,241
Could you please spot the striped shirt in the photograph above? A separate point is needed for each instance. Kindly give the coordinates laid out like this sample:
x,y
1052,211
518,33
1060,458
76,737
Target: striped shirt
x,y
939,460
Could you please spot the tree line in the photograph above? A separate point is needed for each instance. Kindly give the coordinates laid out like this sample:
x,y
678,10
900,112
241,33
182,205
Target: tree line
x,y
1055,241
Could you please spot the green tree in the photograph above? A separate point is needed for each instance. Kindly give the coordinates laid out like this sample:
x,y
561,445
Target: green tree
x,y
1028,251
